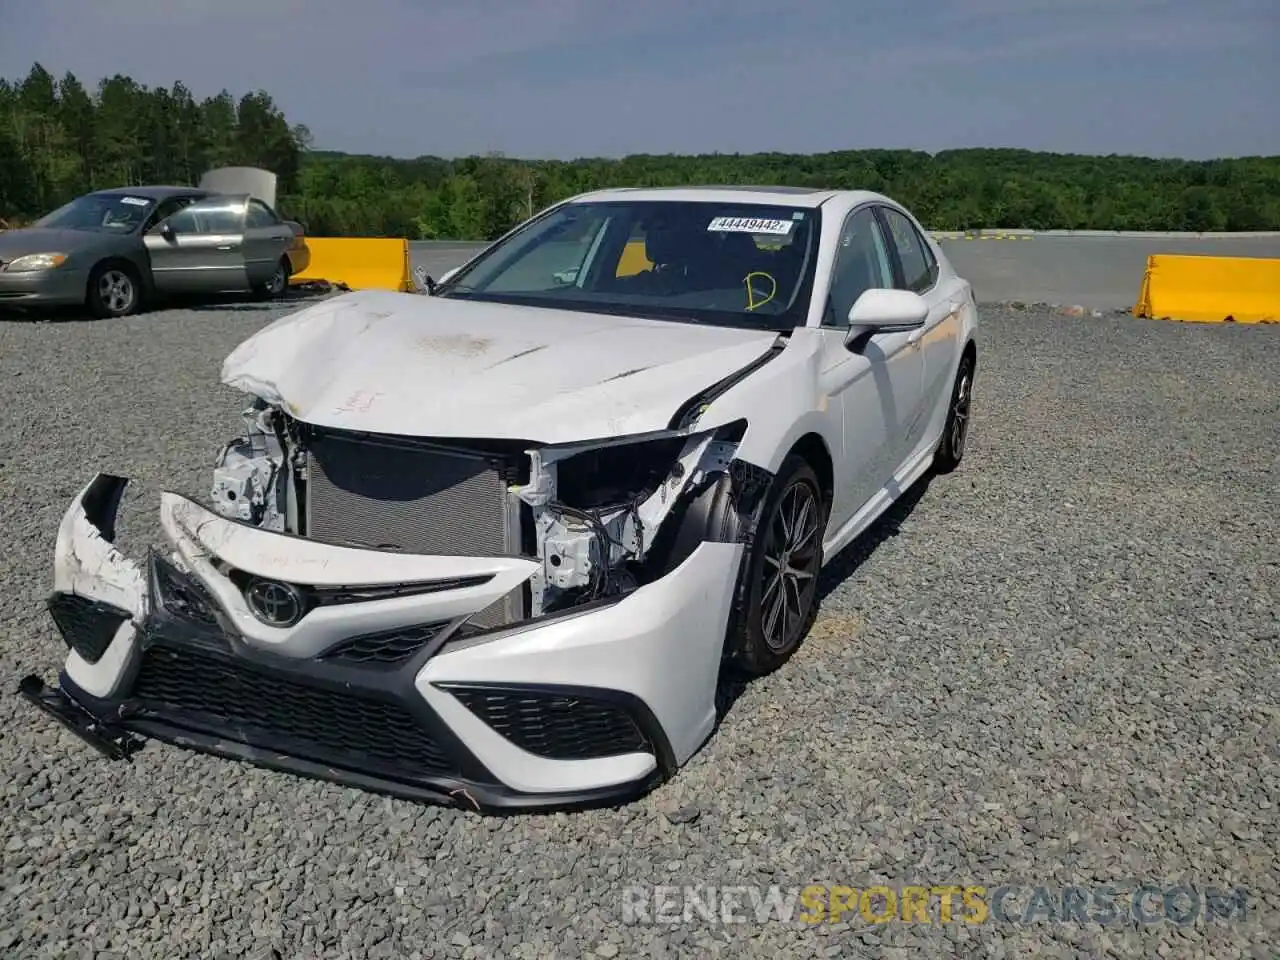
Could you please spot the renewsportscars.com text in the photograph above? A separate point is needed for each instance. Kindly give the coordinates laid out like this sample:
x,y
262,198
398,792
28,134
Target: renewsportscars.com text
x,y
1142,903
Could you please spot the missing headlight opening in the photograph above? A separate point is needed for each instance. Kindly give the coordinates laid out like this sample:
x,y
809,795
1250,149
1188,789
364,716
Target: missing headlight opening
x,y
247,476
600,517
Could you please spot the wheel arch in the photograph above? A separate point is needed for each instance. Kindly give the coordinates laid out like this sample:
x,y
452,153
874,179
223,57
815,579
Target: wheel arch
x,y
118,260
723,510
812,447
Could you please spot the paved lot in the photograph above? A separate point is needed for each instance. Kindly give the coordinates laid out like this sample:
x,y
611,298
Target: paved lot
x,y
438,256
1104,273
1100,272
1056,666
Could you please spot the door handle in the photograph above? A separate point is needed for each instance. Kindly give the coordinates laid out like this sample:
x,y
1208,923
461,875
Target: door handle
x,y
226,246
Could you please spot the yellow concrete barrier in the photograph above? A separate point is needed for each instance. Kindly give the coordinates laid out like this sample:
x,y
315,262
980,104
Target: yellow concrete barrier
x,y
359,262
1210,289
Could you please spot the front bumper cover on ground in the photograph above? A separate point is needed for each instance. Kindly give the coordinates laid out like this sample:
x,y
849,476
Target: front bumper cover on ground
x,y
591,707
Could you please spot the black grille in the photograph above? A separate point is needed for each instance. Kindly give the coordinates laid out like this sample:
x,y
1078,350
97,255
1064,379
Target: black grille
x,y
389,649
555,725
86,625
223,696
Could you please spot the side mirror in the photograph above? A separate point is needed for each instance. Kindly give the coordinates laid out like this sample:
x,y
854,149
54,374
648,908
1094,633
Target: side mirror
x,y
165,229
887,311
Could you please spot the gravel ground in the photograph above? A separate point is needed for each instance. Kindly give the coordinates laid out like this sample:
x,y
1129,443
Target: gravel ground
x,y
1055,666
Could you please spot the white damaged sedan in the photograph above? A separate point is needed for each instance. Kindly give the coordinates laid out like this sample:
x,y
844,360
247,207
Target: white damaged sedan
x,y
493,546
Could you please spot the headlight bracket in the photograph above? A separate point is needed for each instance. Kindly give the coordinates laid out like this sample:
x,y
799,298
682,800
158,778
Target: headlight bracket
x,y
598,510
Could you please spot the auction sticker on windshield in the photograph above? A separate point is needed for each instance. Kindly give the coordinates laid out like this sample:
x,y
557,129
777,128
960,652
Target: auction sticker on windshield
x,y
778,228
135,201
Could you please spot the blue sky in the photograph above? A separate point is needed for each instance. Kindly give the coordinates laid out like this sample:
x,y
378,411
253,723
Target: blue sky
x,y
567,78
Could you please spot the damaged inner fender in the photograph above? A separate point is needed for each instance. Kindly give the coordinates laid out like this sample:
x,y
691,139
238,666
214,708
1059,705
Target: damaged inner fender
x,y
599,518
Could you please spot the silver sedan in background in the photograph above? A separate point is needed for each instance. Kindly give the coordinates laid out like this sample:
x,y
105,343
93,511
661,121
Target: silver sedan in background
x,y
113,250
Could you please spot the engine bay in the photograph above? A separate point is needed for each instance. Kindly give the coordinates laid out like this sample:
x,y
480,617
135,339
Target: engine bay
x,y
593,514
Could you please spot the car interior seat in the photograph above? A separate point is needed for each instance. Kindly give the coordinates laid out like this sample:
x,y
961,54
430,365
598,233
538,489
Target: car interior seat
x,y
741,255
683,256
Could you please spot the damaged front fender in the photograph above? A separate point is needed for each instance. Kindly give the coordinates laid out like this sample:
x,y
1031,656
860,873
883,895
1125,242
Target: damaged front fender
x,y
86,560
100,596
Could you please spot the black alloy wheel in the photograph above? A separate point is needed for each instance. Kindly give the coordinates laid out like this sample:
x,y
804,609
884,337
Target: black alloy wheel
x,y
955,433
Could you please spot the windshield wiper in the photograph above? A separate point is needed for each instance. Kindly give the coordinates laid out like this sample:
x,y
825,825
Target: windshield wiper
x,y
425,280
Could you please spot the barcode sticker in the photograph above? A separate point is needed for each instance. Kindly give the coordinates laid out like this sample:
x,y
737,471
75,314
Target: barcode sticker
x,y
779,228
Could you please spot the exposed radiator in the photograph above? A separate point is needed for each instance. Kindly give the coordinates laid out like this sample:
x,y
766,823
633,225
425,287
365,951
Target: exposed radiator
x,y
400,496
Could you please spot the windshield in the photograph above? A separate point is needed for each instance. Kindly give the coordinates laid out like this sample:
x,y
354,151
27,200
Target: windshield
x,y
720,262
103,213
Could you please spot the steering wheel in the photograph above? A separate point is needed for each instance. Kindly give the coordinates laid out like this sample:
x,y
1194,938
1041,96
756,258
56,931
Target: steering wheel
x,y
761,288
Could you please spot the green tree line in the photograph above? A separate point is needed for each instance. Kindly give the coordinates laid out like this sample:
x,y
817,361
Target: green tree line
x,y
59,140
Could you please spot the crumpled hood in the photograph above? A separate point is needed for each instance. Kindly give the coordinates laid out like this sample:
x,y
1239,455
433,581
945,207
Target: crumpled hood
x,y
413,365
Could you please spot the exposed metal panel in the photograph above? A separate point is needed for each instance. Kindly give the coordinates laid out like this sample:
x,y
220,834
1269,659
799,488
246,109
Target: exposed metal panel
x,y
404,497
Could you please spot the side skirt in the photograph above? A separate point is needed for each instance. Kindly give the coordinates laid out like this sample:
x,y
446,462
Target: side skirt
x,y
881,501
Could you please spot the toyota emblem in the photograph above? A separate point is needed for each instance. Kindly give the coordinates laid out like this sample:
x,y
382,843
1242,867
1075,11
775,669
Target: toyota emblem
x,y
275,604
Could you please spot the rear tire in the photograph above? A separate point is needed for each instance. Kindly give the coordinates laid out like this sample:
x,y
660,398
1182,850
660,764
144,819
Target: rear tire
x,y
776,600
115,290
277,285
955,433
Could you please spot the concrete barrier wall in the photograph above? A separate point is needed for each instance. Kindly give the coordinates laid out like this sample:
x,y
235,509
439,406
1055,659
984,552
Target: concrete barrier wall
x,y
1211,289
360,263
1098,269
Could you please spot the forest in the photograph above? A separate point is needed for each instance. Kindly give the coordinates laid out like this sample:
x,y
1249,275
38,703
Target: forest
x,y
59,139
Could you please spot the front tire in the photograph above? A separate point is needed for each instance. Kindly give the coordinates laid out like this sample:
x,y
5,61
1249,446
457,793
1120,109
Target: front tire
x,y
955,433
777,596
114,291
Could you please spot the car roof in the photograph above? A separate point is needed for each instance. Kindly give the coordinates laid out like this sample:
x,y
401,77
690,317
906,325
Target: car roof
x,y
151,192
778,195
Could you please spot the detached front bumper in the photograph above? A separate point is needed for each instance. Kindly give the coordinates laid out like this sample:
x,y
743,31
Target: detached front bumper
x,y
379,684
